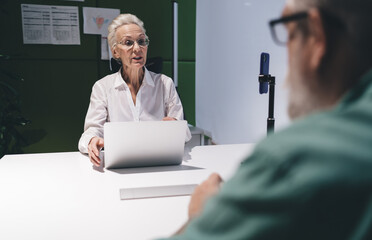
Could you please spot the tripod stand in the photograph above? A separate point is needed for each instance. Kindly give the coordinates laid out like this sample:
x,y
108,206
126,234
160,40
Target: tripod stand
x,y
270,119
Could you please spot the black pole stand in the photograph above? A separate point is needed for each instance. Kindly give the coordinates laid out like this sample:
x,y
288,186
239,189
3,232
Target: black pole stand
x,y
270,119
174,39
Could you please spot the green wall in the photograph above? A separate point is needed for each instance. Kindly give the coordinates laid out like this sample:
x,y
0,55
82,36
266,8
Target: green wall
x,y
59,78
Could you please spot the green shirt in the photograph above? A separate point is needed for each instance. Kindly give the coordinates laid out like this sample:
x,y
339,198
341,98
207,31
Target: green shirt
x,y
312,180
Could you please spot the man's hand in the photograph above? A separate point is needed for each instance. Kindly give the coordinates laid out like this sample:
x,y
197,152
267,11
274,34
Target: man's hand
x,y
202,193
169,119
94,147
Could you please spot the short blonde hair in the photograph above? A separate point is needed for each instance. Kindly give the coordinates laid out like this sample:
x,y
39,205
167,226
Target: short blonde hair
x,y
122,19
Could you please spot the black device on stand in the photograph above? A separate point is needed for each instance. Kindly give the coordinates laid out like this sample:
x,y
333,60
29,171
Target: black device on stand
x,y
267,81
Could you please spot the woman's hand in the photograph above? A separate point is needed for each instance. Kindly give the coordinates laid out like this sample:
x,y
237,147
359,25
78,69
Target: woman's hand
x,y
202,193
94,147
169,119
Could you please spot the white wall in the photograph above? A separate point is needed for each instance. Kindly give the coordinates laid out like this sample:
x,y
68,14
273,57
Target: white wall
x,y
230,36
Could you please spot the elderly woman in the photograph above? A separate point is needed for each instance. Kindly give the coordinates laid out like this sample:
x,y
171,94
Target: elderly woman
x,y
131,94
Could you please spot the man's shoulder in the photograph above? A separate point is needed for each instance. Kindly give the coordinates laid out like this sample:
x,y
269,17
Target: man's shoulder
x,y
305,132
312,154
332,137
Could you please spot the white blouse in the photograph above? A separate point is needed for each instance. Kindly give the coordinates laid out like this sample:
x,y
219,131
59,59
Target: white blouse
x,y
111,101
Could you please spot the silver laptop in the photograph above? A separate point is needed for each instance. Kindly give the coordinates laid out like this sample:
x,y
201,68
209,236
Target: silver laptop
x,y
143,144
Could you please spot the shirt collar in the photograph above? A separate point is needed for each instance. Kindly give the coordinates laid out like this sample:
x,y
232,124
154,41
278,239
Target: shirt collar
x,y
148,79
119,81
362,88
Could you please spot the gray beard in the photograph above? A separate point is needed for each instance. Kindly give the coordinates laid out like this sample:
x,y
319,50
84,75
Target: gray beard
x,y
301,103
303,100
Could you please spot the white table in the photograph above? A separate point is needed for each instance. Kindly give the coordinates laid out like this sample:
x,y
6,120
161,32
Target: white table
x,y
60,196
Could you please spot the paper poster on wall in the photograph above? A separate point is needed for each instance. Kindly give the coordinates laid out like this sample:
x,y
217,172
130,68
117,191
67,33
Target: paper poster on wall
x,y
47,24
96,20
104,49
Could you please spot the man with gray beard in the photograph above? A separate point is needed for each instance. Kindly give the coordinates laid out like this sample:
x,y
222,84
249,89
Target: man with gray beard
x,y
312,180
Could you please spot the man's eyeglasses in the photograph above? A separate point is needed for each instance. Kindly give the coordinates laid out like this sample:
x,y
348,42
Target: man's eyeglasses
x,y
142,42
278,29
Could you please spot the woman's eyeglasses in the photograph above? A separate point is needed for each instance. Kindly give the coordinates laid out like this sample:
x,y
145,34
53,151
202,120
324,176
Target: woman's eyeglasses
x,y
142,42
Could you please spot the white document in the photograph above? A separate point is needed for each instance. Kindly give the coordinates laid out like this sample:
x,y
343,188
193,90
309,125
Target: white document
x,y
104,49
46,24
96,20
